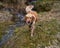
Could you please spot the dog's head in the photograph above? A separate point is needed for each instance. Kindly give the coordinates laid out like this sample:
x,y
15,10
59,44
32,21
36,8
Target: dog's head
x,y
29,18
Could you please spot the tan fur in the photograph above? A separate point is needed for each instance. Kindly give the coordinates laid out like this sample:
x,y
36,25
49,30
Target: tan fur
x,y
32,17
35,14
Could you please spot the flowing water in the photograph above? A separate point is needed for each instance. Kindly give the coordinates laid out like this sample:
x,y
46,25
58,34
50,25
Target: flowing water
x,y
11,29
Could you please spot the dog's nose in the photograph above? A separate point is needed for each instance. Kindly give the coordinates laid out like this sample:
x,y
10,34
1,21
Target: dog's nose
x,y
28,21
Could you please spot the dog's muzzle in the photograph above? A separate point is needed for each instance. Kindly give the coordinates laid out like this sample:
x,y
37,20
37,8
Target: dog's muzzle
x,y
28,22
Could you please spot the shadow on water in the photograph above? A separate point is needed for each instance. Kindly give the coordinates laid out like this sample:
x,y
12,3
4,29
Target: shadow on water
x,y
11,28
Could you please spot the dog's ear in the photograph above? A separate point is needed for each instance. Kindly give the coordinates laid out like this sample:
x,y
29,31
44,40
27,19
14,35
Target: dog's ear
x,y
34,18
37,19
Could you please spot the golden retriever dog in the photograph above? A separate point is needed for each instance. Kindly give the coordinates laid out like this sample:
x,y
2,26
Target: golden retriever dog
x,y
31,19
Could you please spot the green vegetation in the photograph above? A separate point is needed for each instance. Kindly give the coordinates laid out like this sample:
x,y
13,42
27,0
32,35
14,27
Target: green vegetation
x,y
40,5
44,34
43,5
4,26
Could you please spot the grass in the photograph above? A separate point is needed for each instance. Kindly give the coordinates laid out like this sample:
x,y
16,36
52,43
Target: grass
x,y
3,27
44,34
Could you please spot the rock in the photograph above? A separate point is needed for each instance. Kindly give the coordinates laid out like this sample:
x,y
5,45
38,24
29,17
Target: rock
x,y
5,16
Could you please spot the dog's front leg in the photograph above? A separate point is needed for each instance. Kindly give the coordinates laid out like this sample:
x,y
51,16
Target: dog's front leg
x,y
32,28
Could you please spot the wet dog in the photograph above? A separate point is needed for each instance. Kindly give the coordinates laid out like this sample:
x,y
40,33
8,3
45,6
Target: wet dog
x,y
31,19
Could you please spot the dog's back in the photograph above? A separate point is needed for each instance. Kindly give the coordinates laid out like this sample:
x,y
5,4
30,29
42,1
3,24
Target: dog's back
x,y
35,14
